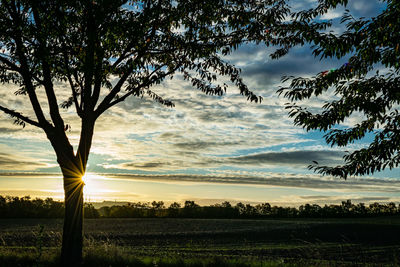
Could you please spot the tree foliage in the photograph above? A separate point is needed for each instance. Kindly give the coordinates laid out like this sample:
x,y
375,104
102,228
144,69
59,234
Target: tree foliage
x,y
90,43
367,82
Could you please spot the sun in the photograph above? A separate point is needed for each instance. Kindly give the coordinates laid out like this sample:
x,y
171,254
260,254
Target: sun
x,y
92,184
86,178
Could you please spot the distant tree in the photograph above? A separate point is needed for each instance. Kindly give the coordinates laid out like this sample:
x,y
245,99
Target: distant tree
x,y
87,44
375,208
391,208
190,204
89,211
3,206
158,205
240,207
105,211
174,205
370,45
226,204
250,211
264,209
190,209
157,208
173,209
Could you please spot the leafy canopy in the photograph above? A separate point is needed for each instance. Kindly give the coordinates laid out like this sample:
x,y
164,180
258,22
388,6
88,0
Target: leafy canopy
x,y
370,45
89,44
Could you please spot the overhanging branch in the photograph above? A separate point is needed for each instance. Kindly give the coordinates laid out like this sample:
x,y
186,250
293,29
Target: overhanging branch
x,y
18,115
10,64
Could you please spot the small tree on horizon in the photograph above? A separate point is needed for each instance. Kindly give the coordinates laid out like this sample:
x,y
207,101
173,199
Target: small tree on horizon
x,y
87,44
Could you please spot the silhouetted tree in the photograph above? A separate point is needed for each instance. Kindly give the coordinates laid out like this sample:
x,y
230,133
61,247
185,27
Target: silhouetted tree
x,y
226,204
190,204
190,208
370,45
157,205
87,44
173,209
240,207
89,211
264,209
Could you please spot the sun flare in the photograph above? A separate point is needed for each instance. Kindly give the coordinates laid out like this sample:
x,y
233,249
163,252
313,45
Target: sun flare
x,y
93,186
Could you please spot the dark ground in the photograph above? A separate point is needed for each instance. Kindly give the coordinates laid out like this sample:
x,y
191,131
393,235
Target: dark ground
x,y
374,241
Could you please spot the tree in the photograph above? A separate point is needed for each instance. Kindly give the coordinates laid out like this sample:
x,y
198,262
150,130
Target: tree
x,y
87,44
370,45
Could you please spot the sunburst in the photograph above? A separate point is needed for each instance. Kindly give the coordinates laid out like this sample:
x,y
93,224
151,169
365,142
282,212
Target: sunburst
x,y
92,186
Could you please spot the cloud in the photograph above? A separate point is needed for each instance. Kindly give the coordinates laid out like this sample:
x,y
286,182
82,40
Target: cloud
x,y
6,130
16,162
193,159
358,199
312,182
289,158
366,8
203,145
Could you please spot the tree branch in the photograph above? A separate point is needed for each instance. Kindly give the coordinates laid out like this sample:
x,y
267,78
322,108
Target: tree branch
x,y
89,59
71,82
98,78
18,115
26,75
107,100
148,82
48,84
10,64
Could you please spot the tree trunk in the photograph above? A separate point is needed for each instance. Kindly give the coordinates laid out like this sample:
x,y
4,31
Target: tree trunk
x,y
73,167
72,241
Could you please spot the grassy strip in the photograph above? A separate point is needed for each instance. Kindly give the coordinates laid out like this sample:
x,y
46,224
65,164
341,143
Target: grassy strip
x,y
108,256
100,258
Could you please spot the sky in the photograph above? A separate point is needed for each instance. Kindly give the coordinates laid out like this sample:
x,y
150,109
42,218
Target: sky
x,y
207,148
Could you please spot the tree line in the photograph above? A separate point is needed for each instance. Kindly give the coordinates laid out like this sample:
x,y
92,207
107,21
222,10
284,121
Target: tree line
x,y
25,207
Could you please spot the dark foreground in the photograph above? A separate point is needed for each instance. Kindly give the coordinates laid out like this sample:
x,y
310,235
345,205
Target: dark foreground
x,y
208,242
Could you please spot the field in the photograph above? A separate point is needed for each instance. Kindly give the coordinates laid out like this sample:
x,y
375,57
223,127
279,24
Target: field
x,y
209,242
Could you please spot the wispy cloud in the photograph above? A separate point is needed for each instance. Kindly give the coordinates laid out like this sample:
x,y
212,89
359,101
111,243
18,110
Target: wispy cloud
x,y
315,182
14,160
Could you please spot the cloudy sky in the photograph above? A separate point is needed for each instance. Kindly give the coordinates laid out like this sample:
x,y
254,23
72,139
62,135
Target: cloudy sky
x,y
207,148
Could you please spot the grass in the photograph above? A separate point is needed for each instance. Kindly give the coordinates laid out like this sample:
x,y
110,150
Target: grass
x,y
115,256
194,242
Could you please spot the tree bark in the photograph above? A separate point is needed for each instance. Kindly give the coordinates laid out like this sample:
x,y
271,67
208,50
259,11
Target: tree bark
x,y
73,168
72,240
